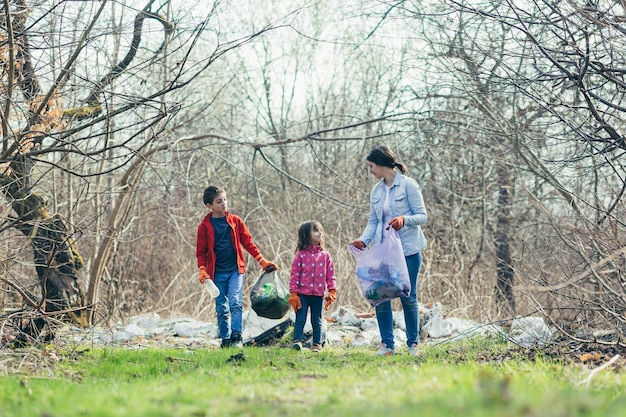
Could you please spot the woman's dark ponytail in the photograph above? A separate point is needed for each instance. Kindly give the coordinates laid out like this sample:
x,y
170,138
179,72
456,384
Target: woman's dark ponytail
x,y
400,166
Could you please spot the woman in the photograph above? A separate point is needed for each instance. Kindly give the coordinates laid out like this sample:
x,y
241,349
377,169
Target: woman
x,y
396,201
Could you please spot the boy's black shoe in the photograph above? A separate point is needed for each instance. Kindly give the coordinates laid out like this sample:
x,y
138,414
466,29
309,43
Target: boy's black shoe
x,y
235,340
225,343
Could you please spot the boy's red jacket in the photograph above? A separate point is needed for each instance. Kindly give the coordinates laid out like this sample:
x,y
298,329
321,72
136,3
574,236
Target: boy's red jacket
x,y
241,238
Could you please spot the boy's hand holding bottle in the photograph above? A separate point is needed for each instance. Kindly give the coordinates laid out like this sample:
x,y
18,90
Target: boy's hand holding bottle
x,y
204,275
330,298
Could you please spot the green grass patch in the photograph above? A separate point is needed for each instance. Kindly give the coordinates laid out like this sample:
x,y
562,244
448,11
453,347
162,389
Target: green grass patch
x,y
470,378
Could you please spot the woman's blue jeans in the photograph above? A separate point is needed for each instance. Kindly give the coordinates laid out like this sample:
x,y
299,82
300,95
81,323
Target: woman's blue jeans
x,y
384,314
315,303
229,304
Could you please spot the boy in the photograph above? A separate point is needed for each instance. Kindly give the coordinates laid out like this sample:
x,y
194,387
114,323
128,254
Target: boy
x,y
222,236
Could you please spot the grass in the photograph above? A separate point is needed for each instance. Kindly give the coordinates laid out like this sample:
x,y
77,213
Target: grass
x,y
480,377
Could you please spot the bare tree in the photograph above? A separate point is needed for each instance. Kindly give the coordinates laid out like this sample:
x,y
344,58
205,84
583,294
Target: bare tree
x,y
119,121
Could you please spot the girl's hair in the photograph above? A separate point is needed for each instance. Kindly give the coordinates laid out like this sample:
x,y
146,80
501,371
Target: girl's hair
x,y
210,193
382,155
304,234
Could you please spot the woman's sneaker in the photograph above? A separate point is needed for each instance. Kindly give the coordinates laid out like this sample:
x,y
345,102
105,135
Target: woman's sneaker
x,y
385,351
316,347
297,345
414,350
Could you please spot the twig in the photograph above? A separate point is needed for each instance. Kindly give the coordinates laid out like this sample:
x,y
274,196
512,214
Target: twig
x,y
587,380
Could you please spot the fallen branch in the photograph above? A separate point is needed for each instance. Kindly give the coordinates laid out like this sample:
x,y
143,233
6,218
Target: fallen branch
x,y
593,372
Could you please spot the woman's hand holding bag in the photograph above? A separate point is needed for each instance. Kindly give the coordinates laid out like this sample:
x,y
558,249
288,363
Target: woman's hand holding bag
x,y
397,223
359,244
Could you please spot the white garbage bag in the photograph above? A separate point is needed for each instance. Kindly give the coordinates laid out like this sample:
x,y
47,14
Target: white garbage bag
x,y
436,326
530,331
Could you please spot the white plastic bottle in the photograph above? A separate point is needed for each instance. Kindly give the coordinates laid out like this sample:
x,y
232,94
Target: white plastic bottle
x,y
211,288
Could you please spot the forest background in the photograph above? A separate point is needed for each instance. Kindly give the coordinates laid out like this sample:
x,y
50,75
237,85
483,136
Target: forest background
x,y
116,115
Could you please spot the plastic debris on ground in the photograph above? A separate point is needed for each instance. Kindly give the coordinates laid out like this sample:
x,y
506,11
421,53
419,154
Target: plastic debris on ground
x,y
342,327
530,331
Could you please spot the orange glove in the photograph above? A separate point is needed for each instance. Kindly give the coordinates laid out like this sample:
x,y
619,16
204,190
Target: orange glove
x,y
330,298
268,266
397,223
204,275
359,244
294,300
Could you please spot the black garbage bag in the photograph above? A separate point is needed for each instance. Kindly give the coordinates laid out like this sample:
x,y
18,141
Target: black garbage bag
x,y
270,336
270,296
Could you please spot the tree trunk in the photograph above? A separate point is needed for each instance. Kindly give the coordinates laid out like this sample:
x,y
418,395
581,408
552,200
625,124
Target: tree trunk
x,y
56,260
504,271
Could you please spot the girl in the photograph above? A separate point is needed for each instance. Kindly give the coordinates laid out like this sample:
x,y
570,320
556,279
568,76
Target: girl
x,y
312,272
396,201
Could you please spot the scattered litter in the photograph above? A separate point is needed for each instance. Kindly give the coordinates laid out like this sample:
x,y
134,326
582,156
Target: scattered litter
x,y
463,329
530,331
343,327
146,321
435,325
345,317
195,329
131,331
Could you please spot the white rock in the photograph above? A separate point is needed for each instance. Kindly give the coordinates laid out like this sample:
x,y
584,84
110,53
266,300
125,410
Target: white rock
x,y
146,321
172,320
195,329
123,336
157,331
134,329
369,324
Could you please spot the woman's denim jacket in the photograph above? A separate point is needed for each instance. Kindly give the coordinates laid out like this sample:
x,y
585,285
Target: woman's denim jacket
x,y
405,199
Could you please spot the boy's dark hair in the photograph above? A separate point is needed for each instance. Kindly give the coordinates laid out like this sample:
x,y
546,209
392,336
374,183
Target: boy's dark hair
x,y
210,193
304,234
